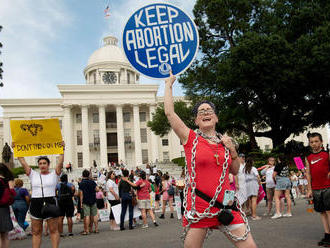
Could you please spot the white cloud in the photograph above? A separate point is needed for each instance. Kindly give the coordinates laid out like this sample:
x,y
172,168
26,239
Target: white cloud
x,y
29,27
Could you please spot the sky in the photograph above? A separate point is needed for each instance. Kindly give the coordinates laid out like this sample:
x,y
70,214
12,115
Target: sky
x,y
48,42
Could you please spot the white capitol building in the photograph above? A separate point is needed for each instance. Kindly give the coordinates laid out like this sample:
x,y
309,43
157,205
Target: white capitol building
x,y
106,119
103,120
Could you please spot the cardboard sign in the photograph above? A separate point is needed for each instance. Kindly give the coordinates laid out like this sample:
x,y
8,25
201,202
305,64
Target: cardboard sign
x,y
178,207
116,210
104,215
158,38
36,137
299,163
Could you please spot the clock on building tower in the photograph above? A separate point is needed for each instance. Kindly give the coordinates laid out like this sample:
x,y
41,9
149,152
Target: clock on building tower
x,y
109,77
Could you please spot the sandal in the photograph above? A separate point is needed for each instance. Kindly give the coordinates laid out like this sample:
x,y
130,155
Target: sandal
x,y
256,218
84,233
96,231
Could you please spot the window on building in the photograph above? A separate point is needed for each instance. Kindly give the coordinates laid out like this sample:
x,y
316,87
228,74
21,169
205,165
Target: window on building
x,y
145,156
78,118
143,116
127,136
96,135
267,148
112,139
143,132
60,121
111,119
79,137
166,156
96,117
127,116
80,159
165,142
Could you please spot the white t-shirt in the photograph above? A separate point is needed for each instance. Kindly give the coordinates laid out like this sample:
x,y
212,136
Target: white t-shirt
x,y
269,177
49,182
111,184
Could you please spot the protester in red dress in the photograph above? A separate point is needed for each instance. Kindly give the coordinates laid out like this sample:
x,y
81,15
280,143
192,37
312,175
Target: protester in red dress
x,y
143,194
210,158
318,176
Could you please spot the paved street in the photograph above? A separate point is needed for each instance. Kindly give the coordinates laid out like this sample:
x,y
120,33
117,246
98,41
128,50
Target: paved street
x,y
302,230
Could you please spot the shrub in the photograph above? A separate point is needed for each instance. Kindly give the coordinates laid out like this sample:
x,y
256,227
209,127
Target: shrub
x,y
20,170
180,161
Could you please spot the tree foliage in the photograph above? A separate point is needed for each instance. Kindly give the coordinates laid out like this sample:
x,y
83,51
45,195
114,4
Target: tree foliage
x,y
159,123
265,64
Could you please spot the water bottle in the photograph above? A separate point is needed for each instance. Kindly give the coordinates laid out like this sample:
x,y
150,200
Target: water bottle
x,y
310,206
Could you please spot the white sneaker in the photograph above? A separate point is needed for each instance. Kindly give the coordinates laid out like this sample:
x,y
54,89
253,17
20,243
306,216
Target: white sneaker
x,y
287,215
276,216
145,226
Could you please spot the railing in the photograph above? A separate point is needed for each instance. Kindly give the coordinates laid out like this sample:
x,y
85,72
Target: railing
x,y
111,125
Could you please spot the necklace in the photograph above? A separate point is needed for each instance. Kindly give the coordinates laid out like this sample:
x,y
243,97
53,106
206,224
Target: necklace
x,y
216,138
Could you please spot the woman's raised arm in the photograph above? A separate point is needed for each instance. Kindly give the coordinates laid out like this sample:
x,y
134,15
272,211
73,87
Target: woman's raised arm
x,y
25,165
181,130
59,165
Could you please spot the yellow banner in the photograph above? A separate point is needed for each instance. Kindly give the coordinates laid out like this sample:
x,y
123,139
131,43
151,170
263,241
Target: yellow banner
x,y
36,137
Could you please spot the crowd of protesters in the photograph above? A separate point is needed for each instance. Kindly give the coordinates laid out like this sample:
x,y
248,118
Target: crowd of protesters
x,y
149,190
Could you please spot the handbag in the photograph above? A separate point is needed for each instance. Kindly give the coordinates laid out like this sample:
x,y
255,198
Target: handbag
x,y
134,199
7,197
49,209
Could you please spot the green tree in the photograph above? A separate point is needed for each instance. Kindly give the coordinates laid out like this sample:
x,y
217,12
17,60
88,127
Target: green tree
x,y
159,123
265,65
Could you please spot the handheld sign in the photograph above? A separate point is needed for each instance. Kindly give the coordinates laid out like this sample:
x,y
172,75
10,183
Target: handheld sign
x,y
36,137
299,163
159,38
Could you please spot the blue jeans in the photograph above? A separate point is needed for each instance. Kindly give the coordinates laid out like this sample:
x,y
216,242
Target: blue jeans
x,y
126,200
20,209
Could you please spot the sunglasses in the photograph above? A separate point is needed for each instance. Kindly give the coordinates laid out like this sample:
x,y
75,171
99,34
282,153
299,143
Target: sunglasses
x,y
205,112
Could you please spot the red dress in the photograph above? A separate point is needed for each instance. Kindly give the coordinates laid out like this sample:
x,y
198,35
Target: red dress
x,y
207,178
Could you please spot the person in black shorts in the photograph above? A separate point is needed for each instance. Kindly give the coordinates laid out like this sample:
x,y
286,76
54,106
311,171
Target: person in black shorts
x,y
65,192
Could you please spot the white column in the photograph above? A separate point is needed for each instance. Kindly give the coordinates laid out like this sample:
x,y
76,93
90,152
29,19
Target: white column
x,y
120,134
103,137
137,136
154,143
67,132
125,76
6,131
85,138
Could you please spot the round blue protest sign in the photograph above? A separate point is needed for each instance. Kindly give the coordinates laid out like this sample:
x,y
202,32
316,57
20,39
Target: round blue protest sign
x,y
159,38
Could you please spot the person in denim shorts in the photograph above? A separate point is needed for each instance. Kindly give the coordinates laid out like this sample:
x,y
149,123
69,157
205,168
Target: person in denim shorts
x,y
283,186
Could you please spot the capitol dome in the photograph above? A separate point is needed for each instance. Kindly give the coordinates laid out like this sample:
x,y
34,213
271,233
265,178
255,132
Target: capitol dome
x,y
110,52
110,60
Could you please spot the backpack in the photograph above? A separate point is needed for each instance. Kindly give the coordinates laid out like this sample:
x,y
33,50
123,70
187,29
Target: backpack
x,y
65,192
170,190
6,196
